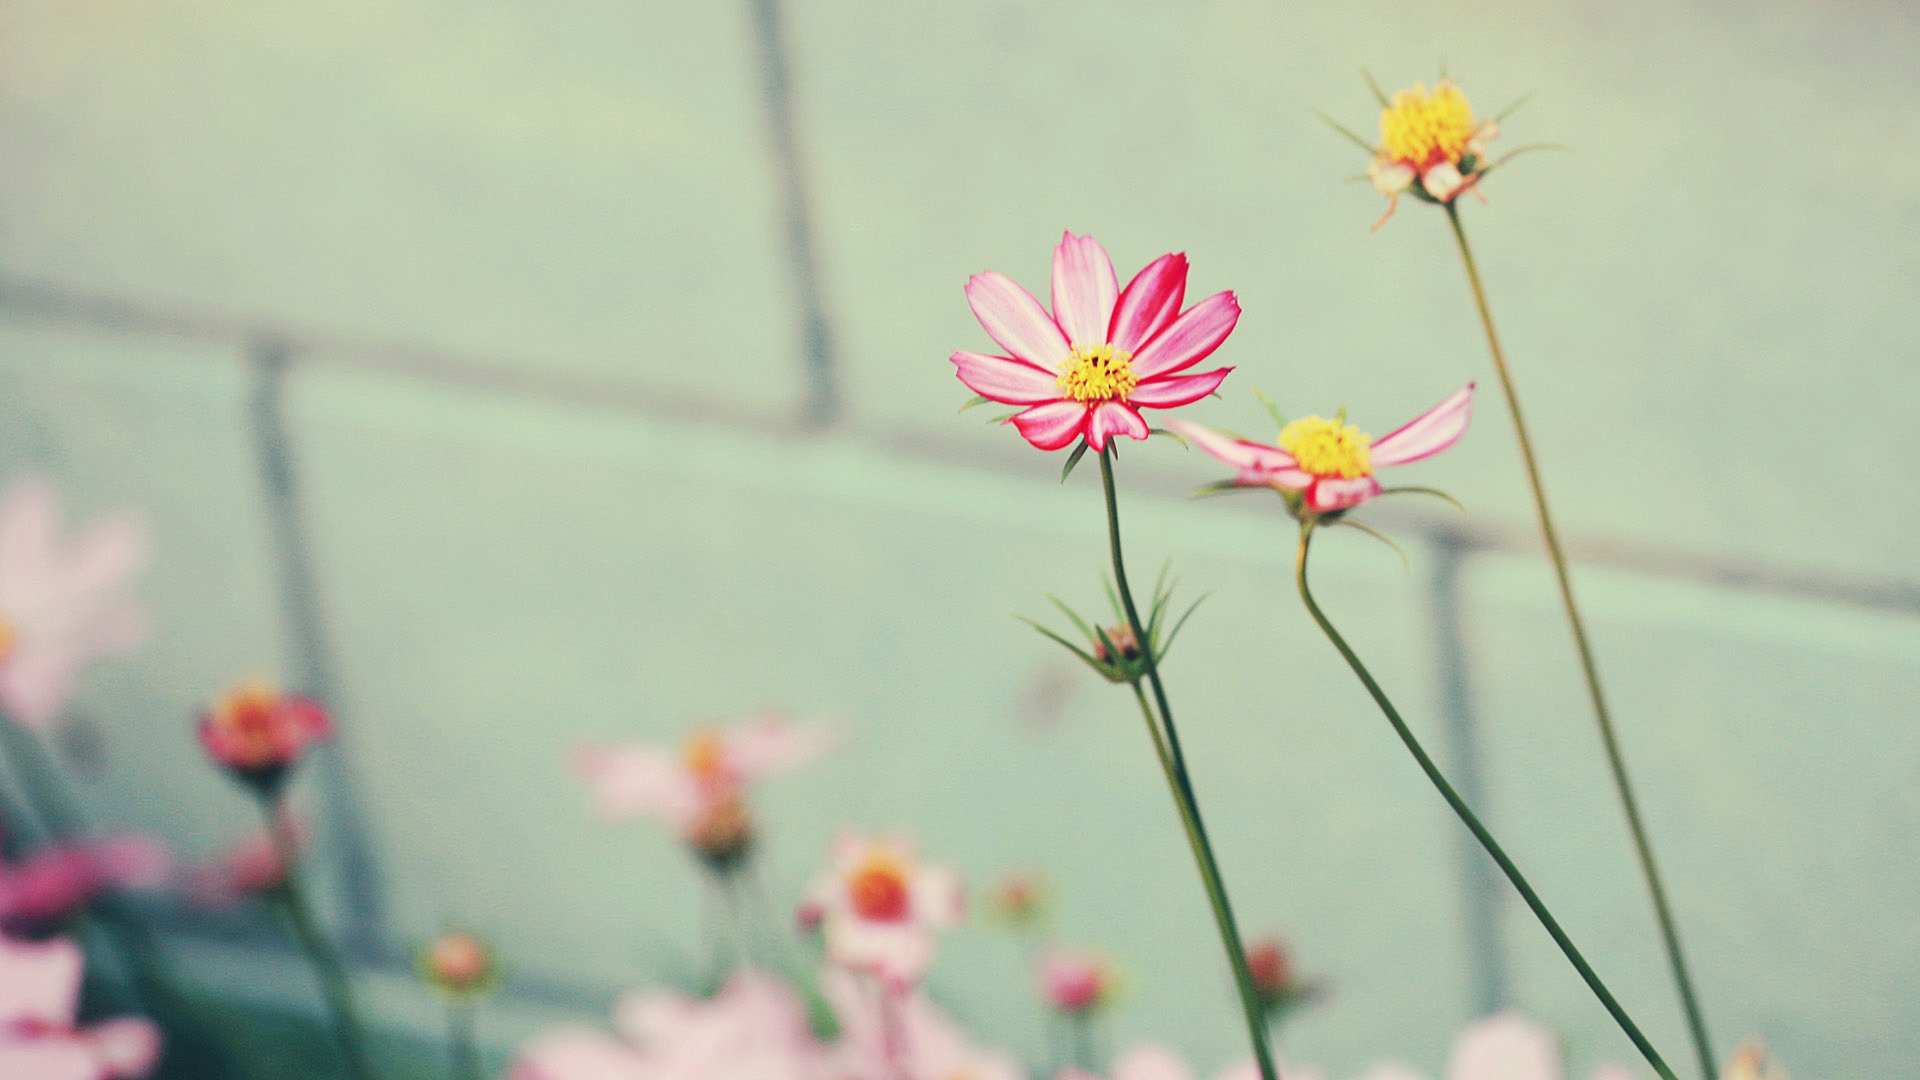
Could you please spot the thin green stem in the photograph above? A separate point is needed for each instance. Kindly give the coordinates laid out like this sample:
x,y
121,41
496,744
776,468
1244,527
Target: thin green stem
x,y
463,1053
327,968
1616,760
1471,820
1175,765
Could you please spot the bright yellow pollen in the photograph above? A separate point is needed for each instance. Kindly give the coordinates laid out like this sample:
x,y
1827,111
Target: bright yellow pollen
x,y
1420,126
1098,373
1326,447
6,639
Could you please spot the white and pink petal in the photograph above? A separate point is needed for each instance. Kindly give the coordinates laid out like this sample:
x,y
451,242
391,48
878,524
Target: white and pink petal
x,y
1112,419
1084,289
1190,338
1011,316
1052,425
1171,391
1006,380
1329,493
1427,434
1149,303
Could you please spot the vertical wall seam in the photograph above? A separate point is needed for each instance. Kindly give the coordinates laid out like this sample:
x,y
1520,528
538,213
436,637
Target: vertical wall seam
x,y
310,652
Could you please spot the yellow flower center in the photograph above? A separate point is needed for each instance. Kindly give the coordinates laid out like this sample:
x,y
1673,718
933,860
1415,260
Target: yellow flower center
x,y
1421,127
1098,373
7,639
878,889
704,755
1326,447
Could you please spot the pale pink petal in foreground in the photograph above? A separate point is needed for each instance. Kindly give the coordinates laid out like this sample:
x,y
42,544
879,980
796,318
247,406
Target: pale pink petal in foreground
x,y
1427,434
907,1035
1191,338
1150,1062
879,907
1505,1046
39,983
1013,318
127,1048
48,1059
1006,380
634,781
578,1053
1149,303
1084,288
772,743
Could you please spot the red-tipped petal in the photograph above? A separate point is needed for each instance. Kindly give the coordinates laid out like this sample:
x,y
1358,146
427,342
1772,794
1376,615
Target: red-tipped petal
x,y
1084,289
1169,391
1190,339
1112,418
1053,425
1329,493
1016,320
1427,434
1149,302
1006,380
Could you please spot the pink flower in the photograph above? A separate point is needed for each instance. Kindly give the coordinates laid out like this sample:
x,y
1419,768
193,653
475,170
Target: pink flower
x,y
1330,464
249,868
701,789
259,733
880,906
1504,1046
1087,369
1076,982
52,883
1431,146
754,1029
61,605
39,992
904,1036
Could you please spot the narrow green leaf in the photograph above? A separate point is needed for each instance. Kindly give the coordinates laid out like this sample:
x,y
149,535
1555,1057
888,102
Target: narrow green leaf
x,y
1528,149
1062,642
1174,435
1279,418
1220,487
974,400
1378,95
1073,459
1004,417
1346,131
1380,536
1079,623
1119,612
1502,115
1175,632
1435,492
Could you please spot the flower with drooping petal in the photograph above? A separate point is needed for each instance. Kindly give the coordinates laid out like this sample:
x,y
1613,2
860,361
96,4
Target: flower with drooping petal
x,y
42,889
1087,369
1327,466
249,868
701,789
906,1037
61,604
39,995
1504,1046
259,733
1431,146
1076,981
755,1028
880,906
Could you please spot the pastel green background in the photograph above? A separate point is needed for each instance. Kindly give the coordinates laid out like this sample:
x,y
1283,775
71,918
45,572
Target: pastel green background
x,y
544,401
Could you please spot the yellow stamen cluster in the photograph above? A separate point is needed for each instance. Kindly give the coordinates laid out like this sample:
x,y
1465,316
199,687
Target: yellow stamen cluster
x,y
7,639
704,754
1420,126
1098,373
1326,447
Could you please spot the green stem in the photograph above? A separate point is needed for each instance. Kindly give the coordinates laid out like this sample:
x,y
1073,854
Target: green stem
x,y
462,1052
1616,761
1471,820
1175,765
327,969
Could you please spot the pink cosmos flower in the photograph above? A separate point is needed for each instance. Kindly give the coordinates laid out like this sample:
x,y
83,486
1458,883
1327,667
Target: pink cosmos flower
x,y
701,789
1504,1046
249,868
879,907
1074,981
1087,369
1431,146
754,1029
61,604
52,883
1331,463
258,733
904,1037
39,993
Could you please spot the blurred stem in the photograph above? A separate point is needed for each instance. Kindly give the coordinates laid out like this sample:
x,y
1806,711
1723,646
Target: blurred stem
x,y
1616,761
463,1053
1174,763
1469,818
327,969
1080,1027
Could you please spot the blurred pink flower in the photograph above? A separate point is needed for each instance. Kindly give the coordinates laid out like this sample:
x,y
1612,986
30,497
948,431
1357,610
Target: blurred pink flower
x,y
880,906
61,604
248,868
45,887
1087,369
1152,1062
917,1041
258,733
754,1029
39,992
1504,1046
1330,462
1751,1062
700,789
1075,981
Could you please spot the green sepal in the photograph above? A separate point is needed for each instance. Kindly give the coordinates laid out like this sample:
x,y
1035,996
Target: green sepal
x,y
1073,460
974,400
1415,490
1220,487
1344,130
1376,534
1174,435
1279,418
1378,94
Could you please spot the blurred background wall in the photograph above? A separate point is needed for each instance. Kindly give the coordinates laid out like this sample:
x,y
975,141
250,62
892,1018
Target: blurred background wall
x,y
521,374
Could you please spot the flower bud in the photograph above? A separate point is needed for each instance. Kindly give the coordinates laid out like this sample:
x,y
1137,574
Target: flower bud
x,y
723,833
259,734
458,964
1077,983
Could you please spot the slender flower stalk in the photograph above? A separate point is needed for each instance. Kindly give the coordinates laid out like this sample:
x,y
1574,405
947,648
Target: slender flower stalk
x,y
1470,819
1167,746
1616,761
462,1052
327,968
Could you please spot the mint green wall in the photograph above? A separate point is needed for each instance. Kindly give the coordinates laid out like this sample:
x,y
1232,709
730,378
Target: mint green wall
x,y
544,375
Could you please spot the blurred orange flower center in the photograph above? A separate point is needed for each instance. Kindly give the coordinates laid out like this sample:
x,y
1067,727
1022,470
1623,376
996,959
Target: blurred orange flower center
x,y
7,639
1423,128
1326,447
247,718
1098,373
705,756
878,889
